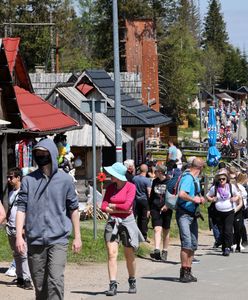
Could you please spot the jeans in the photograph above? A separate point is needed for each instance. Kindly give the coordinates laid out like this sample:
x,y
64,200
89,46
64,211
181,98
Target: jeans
x,y
21,261
188,229
47,264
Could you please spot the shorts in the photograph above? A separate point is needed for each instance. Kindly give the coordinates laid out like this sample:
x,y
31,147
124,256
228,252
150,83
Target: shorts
x,y
122,234
188,230
162,219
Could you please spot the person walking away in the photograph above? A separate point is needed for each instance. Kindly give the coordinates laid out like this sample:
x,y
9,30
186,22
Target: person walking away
x,y
189,198
14,178
160,214
143,190
172,155
121,225
129,164
48,205
225,196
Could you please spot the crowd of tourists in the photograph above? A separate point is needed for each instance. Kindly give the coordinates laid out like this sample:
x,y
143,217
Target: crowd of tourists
x,y
132,199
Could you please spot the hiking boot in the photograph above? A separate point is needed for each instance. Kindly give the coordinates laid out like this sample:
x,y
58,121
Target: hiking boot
x,y
27,285
112,288
226,252
193,278
132,285
185,275
156,255
164,255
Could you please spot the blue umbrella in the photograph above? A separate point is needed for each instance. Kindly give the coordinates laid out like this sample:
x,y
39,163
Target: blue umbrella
x,y
213,153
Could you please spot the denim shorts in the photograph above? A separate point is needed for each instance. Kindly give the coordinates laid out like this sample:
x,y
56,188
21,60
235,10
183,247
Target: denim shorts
x,y
188,229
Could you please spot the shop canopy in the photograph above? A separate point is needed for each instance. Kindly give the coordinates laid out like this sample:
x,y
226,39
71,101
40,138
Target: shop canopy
x,y
39,115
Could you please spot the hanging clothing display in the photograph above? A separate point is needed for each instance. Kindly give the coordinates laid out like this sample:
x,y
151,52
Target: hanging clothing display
x,y
23,153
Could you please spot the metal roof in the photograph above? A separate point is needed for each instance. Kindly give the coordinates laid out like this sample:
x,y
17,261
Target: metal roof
x,y
83,137
104,124
39,115
141,114
11,46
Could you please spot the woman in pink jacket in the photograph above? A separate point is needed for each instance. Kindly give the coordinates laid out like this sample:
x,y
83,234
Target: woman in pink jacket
x,y
121,225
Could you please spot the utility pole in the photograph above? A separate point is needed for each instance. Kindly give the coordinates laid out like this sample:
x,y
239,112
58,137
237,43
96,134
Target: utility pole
x,y
52,43
118,126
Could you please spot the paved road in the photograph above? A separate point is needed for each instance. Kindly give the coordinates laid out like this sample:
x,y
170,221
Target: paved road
x,y
218,278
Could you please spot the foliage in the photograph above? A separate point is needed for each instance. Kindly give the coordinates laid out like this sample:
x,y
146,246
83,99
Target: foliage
x,y
235,71
179,64
192,120
215,28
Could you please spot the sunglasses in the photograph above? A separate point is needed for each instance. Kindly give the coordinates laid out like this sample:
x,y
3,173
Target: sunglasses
x,y
222,179
10,177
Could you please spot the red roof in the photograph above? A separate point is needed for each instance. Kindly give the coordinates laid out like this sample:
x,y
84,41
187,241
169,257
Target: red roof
x,y
85,88
39,115
11,46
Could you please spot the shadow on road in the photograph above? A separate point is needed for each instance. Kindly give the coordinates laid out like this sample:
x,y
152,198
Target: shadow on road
x,y
95,293
3,270
173,279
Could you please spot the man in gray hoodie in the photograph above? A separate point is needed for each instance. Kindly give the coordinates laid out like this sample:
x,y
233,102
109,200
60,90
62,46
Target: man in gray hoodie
x,y
47,206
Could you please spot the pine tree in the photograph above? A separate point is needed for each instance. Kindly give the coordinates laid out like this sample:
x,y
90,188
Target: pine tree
x,y
215,34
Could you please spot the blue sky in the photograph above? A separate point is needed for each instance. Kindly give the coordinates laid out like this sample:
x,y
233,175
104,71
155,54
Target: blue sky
x,y
235,13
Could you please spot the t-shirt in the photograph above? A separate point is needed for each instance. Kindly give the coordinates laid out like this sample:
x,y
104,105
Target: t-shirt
x,y
142,183
173,152
187,184
224,204
12,217
157,197
243,194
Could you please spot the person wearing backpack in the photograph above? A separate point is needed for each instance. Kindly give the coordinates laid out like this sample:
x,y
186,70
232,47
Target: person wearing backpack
x,y
225,196
188,201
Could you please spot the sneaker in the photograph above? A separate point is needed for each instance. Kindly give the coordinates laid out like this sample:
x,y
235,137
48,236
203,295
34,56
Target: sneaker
x,y
234,247
242,247
11,271
156,255
20,282
164,255
195,261
226,252
27,285
132,285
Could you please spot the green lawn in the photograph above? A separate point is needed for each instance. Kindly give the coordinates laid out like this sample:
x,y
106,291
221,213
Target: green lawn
x,y
94,250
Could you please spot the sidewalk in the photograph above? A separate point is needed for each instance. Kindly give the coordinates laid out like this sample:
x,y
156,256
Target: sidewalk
x,y
89,279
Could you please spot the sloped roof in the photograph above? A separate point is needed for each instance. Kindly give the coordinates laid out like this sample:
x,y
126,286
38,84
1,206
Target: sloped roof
x,y
103,123
16,64
225,97
39,115
134,112
243,89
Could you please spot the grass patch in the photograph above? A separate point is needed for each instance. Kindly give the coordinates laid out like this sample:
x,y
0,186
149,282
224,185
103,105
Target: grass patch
x,y
92,250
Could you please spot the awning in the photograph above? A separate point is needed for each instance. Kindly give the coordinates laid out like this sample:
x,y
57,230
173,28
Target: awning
x,y
39,115
225,97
